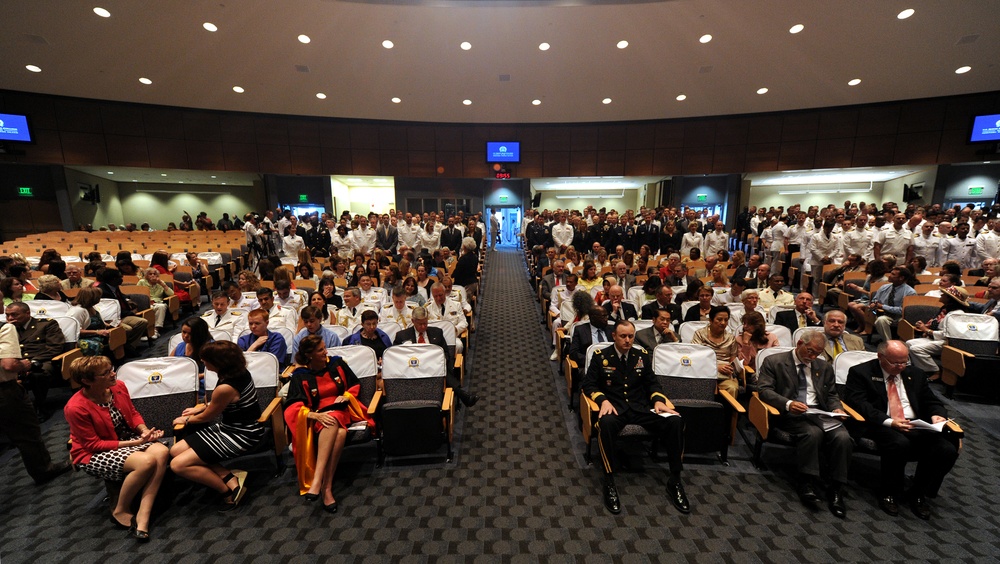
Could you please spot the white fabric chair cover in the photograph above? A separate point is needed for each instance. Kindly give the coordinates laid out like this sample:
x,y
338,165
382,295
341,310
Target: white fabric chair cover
x,y
110,311
263,368
641,324
414,361
688,328
783,334
845,360
174,341
340,331
636,296
360,358
152,377
764,353
70,328
48,308
390,328
736,313
685,306
684,360
968,326
775,309
211,258
447,328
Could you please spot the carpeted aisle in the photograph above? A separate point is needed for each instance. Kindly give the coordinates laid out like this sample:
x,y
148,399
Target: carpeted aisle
x,y
517,491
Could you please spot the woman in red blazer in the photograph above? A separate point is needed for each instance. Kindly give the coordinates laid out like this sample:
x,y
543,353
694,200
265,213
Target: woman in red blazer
x,y
111,441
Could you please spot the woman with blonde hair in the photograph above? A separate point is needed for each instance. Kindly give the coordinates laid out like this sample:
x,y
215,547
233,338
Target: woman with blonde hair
x,y
158,293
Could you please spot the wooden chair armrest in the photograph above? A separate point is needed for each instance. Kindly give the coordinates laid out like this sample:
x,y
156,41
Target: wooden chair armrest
x,y
906,330
854,414
66,360
71,354
731,401
760,414
449,399
588,411
749,370
572,363
954,427
286,374
117,338
173,304
376,399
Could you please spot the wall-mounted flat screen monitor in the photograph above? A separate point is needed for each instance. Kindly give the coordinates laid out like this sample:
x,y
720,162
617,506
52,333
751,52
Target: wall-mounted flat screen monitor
x,y
985,129
503,151
14,127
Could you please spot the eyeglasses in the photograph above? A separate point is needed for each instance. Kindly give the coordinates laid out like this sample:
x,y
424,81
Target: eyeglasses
x,y
891,363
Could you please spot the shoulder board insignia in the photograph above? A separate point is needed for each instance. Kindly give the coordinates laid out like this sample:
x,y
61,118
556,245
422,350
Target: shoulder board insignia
x,y
236,313
643,350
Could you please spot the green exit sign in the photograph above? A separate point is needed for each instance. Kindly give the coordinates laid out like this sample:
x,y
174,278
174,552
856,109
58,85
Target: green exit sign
x,y
973,191
503,199
702,198
303,198
25,191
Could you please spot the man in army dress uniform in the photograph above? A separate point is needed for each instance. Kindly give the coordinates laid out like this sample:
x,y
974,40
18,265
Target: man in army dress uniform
x,y
621,382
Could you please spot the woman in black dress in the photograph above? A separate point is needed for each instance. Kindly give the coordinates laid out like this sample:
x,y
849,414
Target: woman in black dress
x,y
197,457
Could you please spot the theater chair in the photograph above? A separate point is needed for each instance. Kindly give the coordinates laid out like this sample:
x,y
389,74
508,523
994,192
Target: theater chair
x,y
161,388
418,410
589,413
363,363
970,361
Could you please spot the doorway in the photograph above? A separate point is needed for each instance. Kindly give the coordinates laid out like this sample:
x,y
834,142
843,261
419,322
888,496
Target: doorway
x,y
510,223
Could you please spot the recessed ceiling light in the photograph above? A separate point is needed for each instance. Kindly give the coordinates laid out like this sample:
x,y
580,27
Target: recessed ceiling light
x,y
223,183
466,45
762,90
238,89
681,97
396,100
854,82
145,80
304,38
163,174
467,102
705,38
321,96
210,26
622,44
102,12
134,180
606,100
962,70
213,176
796,28
905,14
536,102
388,44
109,172
543,46
33,68
180,182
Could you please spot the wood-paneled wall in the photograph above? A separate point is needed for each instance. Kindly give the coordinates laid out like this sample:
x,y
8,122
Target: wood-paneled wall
x,y
90,132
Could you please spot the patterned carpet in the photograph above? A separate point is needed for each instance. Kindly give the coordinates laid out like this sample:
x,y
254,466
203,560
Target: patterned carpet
x,y
518,490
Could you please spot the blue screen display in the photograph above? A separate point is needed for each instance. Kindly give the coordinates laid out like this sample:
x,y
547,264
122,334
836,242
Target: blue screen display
x,y
14,128
503,151
985,128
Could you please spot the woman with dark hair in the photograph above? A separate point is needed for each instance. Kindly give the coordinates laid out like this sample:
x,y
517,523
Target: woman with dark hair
x,y
424,282
589,278
412,290
304,271
690,293
717,337
701,311
328,289
754,337
373,270
110,440
124,264
161,262
317,300
48,255
266,269
197,456
13,291
57,268
356,275
321,401
93,330
95,262
194,336
341,242
370,335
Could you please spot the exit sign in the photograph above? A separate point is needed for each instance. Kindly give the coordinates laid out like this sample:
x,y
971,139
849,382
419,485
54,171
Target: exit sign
x,y
26,191
702,198
303,198
503,199
973,190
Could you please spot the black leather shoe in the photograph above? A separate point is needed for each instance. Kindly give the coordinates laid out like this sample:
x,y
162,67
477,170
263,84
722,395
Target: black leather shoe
x,y
808,496
836,503
611,500
52,472
919,506
675,491
332,508
470,399
888,504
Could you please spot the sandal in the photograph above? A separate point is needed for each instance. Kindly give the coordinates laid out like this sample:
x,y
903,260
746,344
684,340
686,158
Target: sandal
x,y
235,495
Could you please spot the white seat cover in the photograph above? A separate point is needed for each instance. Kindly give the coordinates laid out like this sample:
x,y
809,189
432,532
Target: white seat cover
x,y
47,308
263,368
152,377
783,334
414,361
390,328
446,327
970,326
684,360
845,360
688,329
360,358
764,353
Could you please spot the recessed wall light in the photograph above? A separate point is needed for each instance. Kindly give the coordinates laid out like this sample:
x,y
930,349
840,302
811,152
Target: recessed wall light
x,y
543,46
238,89
388,44
854,82
145,80
213,176
606,101
962,70
304,38
622,44
705,38
180,182
796,28
681,97
536,102
210,26
762,90
223,183
396,100
905,14
109,172
466,45
467,102
163,174
33,68
102,12
321,96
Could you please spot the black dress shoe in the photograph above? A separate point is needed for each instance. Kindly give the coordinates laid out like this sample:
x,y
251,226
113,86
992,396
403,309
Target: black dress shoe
x,y
332,508
118,525
611,500
469,400
888,504
808,496
675,491
836,503
919,506
52,472
311,497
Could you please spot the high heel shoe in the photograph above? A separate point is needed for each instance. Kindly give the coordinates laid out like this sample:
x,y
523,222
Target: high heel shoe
x,y
311,497
134,532
332,508
117,524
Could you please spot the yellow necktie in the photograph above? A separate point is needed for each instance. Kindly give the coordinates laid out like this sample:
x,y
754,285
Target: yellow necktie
x,y
802,320
837,349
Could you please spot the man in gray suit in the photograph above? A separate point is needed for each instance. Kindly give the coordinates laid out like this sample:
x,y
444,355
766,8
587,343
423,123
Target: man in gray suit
x,y
792,383
838,340
661,332
386,235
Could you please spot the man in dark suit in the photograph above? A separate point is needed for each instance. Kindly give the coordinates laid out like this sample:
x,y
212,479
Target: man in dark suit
x,y
802,316
422,332
614,372
679,276
135,327
387,236
586,334
661,332
793,382
555,278
838,340
616,308
451,237
889,395
664,300
648,233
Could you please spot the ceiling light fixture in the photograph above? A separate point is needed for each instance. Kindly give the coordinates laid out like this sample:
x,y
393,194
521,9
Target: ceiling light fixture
x,y
33,68
762,90
796,28
905,14
622,44
210,26
467,102
163,174
963,70
466,45
705,38
321,96
304,38
145,80
606,101
396,100
109,172
536,102
388,44
238,89
543,46
854,82
681,97
102,12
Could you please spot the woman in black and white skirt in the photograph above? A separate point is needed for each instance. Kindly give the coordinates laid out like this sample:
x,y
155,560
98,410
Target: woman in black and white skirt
x,y
197,457
111,441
